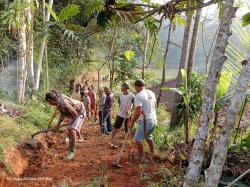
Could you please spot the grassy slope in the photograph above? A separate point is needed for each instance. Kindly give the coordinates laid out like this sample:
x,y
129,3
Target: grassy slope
x,y
35,116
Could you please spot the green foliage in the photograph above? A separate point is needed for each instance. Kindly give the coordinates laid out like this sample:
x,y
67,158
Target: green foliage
x,y
129,55
224,83
193,97
221,6
236,51
52,12
93,7
63,76
246,19
65,14
151,25
98,181
222,101
13,15
179,21
68,12
14,130
246,142
126,66
38,114
168,177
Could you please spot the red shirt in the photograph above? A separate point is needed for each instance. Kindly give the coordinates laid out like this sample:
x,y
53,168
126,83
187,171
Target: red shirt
x,y
92,97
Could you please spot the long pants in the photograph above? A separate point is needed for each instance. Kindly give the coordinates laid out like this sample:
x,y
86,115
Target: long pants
x,y
105,121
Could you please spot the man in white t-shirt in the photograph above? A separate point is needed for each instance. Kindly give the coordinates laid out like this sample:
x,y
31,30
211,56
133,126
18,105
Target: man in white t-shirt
x,y
145,112
125,101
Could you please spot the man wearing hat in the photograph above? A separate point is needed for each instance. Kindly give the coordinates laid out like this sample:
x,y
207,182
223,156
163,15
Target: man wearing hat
x,y
145,113
125,101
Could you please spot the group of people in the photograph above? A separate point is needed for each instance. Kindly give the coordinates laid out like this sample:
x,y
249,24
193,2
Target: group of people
x,y
140,107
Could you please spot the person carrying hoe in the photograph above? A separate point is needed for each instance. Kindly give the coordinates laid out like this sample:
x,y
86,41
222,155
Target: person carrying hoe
x,y
145,112
75,112
125,101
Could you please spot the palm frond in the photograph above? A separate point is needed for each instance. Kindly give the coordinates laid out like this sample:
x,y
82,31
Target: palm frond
x,y
52,12
68,12
234,54
93,7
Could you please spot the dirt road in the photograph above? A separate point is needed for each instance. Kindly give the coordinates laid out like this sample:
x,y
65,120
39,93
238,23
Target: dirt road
x,y
92,165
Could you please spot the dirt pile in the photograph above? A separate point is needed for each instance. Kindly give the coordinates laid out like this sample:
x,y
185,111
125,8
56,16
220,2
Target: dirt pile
x,y
92,163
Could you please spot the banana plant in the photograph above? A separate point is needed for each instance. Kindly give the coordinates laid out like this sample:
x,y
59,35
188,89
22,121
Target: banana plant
x,y
222,97
186,94
235,54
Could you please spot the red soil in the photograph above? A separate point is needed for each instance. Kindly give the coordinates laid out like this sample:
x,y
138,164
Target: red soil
x,y
93,159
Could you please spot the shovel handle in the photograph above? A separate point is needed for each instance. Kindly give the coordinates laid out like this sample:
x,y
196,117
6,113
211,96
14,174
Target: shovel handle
x,y
52,118
45,131
118,157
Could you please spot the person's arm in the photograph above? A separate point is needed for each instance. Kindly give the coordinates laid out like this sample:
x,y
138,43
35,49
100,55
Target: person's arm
x,y
61,118
138,110
94,96
136,115
119,101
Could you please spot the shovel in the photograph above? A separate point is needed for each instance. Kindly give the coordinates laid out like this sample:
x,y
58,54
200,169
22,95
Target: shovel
x,y
49,126
118,157
47,130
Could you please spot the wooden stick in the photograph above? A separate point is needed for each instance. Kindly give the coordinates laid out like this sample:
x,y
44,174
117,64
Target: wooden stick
x,y
238,178
47,130
118,157
54,115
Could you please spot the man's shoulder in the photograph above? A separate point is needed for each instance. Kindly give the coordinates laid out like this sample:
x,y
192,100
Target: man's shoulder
x,y
150,92
68,100
131,94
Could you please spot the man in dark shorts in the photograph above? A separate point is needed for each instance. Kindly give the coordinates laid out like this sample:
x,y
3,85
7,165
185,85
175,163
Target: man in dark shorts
x,y
74,111
125,101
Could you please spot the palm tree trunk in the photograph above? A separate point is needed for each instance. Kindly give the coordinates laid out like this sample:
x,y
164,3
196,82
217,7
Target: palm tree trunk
x,y
21,60
213,173
46,67
30,53
40,56
175,120
164,64
206,117
193,44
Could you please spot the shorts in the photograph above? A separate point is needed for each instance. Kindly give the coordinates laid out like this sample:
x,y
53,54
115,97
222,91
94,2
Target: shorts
x,y
77,123
119,121
139,134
